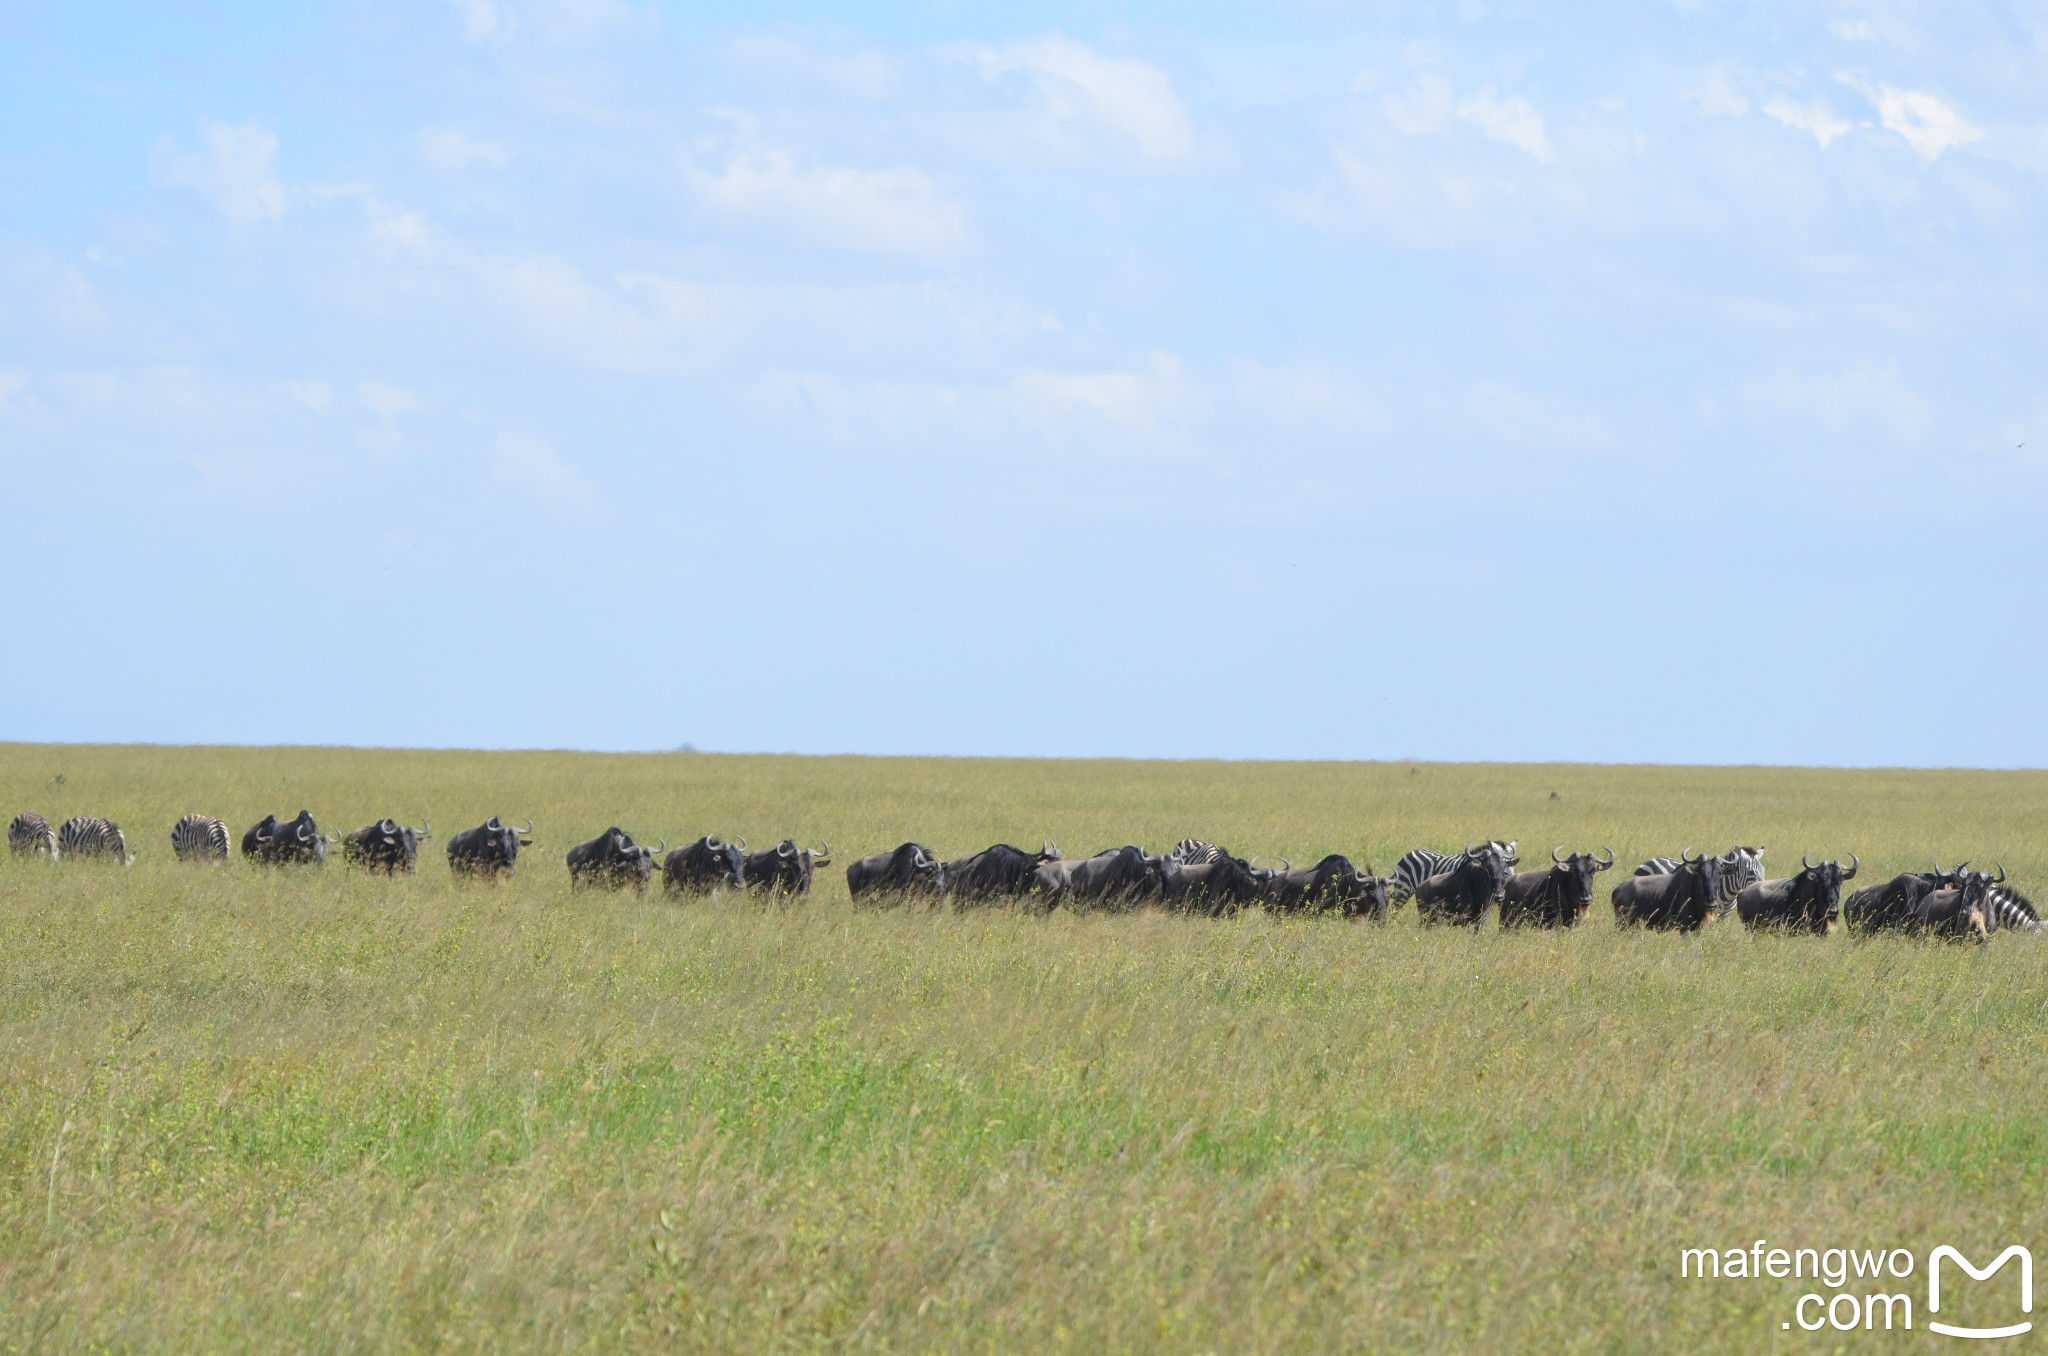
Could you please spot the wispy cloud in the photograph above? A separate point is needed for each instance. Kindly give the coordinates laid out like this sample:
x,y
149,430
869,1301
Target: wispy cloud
x,y
886,211
1929,125
530,465
1815,117
1091,107
235,171
449,149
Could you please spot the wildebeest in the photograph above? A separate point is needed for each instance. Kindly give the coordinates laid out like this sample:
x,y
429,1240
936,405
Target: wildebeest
x,y
387,846
299,842
1740,866
30,835
90,836
1222,885
1889,905
1332,884
1459,895
1954,904
199,838
910,869
704,865
1557,898
1419,865
785,869
614,861
996,872
489,850
1114,877
1808,902
1684,900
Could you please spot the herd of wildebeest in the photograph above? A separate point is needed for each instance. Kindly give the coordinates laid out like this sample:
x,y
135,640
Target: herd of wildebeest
x,y
1683,893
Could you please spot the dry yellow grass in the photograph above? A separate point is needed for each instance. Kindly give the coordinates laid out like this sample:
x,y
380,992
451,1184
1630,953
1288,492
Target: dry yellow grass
x,y
314,1110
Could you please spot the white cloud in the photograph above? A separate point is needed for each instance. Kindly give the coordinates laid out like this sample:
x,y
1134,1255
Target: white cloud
x,y
385,401
1513,120
1714,93
234,172
1130,103
1853,30
1815,117
479,19
317,396
1928,125
448,149
1154,402
531,466
898,211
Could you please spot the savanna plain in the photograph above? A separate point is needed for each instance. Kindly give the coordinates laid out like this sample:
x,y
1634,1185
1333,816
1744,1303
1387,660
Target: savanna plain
x,y
316,1110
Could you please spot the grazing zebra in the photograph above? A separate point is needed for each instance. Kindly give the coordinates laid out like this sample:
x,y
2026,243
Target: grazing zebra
x,y
91,836
200,838
30,834
1740,867
1419,865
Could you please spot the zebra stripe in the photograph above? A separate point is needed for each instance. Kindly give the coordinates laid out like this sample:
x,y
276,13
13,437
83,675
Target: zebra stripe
x,y
1740,867
2011,909
1419,865
1197,852
91,836
200,838
31,834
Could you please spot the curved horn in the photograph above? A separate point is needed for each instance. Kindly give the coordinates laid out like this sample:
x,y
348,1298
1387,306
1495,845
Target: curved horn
x,y
822,851
425,830
1557,860
663,848
1685,855
1610,858
740,843
387,826
785,848
303,832
1468,849
529,827
1937,868
712,841
2001,874
1804,864
1855,865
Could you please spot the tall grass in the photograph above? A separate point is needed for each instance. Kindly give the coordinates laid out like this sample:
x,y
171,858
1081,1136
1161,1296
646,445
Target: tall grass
x,y
314,1110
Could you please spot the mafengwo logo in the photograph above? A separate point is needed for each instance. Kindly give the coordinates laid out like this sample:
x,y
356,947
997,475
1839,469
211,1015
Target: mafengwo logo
x,y
1864,1282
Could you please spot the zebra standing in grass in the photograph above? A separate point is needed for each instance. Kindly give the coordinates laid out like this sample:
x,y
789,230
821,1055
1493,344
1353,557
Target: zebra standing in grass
x,y
91,836
31,834
200,838
1740,867
1419,865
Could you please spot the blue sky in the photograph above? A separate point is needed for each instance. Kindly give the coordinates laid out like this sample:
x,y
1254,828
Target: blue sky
x,y
1343,381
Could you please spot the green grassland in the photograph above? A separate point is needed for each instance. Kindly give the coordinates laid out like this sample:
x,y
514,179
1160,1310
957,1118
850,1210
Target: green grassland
x,y
314,1110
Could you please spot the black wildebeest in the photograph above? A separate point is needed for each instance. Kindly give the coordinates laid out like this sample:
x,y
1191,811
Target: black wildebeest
x,y
1460,894
614,861
997,872
386,846
1890,905
1958,913
31,835
1557,898
1332,884
785,869
1219,886
1740,866
1684,900
1808,902
90,836
199,838
1115,877
299,842
1419,865
701,867
910,869
489,850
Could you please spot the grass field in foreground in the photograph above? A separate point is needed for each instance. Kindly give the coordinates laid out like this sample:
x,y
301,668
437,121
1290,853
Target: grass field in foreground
x,y
309,1110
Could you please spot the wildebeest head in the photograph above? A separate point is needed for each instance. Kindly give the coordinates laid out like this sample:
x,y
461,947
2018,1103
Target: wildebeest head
x,y
1817,889
1574,876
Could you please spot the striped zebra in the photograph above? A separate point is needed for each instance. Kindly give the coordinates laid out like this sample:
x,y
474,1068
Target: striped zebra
x,y
1740,867
200,838
91,836
1197,852
30,835
1419,865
